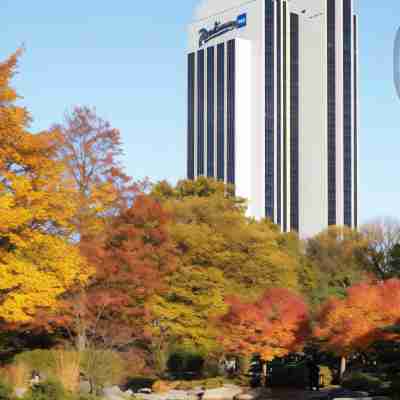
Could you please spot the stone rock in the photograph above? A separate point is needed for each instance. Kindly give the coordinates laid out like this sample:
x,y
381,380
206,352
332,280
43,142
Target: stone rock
x,y
84,387
254,394
145,391
227,392
115,393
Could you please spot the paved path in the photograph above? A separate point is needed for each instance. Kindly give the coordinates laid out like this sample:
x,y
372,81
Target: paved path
x,y
282,394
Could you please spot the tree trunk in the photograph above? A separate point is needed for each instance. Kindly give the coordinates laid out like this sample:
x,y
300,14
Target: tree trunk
x,y
265,372
81,342
343,363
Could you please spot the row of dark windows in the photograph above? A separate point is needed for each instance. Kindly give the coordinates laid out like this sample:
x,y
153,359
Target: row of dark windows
x,y
221,111
205,106
231,113
332,188
355,104
285,127
279,114
191,111
200,112
210,111
269,110
294,118
347,103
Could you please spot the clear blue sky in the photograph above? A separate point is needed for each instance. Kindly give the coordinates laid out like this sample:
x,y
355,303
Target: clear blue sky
x,y
127,58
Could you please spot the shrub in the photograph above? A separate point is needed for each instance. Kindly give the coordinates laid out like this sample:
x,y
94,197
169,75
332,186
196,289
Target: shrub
x,y
326,375
362,382
47,390
136,383
289,375
41,361
183,363
6,391
102,367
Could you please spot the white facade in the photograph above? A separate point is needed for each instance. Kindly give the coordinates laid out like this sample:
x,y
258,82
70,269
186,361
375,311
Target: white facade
x,y
273,97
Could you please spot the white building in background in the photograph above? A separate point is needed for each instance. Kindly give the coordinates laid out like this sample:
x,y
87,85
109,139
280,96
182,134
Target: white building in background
x,y
273,107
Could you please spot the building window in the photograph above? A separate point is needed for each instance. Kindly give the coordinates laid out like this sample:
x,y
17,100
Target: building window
x,y
231,113
200,112
221,112
355,105
285,127
269,110
331,112
279,113
294,119
210,112
191,111
348,109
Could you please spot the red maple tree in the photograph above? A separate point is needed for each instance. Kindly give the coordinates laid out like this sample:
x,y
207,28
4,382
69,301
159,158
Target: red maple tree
x,y
272,326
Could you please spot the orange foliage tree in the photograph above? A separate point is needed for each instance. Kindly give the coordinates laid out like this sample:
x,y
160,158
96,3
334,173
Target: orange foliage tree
x,y
90,148
38,261
346,326
131,258
273,326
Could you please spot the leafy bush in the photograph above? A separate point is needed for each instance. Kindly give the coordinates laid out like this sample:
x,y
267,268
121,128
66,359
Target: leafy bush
x,y
138,382
326,375
360,381
47,390
102,367
42,361
184,363
395,386
6,391
297,375
289,375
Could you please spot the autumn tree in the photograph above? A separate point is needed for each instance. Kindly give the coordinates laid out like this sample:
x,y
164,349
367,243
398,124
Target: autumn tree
x,y
38,261
91,148
220,252
350,325
339,256
132,258
383,236
273,326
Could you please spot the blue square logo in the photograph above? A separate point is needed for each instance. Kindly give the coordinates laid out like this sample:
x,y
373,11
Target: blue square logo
x,y
241,20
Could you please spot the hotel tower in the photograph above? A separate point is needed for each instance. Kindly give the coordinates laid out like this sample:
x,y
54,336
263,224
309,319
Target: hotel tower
x,y
273,107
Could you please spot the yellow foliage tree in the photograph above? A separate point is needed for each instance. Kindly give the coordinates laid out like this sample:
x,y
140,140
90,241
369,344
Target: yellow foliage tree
x,y
38,262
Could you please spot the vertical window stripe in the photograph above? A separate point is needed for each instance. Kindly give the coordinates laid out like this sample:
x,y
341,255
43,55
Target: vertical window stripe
x,y
269,110
221,111
294,118
355,105
200,112
210,111
331,43
348,110
279,113
191,111
285,127
231,113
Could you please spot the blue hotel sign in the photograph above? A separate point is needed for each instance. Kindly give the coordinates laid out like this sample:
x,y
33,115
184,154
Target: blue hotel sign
x,y
220,29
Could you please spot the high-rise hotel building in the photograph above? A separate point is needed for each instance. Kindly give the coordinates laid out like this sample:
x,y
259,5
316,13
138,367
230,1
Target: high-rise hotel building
x,y
273,107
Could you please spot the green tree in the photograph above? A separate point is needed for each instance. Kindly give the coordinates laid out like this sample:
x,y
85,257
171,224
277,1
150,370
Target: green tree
x,y
339,257
221,252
